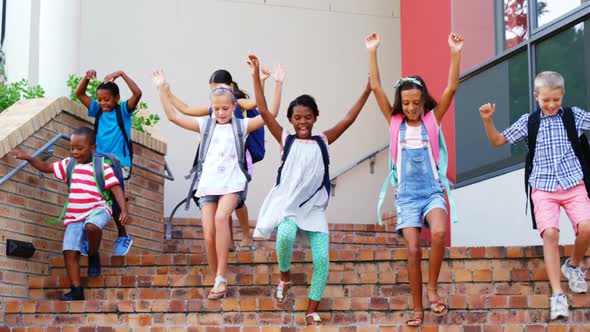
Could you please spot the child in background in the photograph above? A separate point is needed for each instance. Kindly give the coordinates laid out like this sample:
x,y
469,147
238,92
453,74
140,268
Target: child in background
x,y
418,154
87,210
113,132
556,178
299,199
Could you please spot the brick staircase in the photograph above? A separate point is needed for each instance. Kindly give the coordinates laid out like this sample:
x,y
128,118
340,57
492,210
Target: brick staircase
x,y
488,290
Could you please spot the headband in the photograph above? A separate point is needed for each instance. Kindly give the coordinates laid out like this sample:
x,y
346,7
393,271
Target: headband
x,y
408,79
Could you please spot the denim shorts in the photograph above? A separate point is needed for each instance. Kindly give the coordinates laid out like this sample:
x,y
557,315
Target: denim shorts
x,y
210,199
412,213
75,234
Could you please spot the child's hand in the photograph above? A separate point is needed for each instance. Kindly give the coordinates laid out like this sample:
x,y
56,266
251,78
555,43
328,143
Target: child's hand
x,y
279,73
264,73
254,64
91,74
113,76
124,218
455,42
18,154
159,80
372,41
487,111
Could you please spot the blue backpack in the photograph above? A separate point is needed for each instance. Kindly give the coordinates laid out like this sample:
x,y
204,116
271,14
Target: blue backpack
x,y
255,140
98,161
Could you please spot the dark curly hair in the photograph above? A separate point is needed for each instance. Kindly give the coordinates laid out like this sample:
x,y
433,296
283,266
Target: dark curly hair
x,y
303,100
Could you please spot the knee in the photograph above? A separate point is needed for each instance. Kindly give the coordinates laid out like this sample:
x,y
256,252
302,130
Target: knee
x,y
321,259
209,237
584,228
221,221
414,252
438,235
91,228
551,235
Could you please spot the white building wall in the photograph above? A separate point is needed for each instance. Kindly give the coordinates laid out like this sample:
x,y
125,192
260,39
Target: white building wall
x,y
17,42
320,42
492,213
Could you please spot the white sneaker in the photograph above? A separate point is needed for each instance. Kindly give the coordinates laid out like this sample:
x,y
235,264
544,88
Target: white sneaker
x,y
559,307
575,276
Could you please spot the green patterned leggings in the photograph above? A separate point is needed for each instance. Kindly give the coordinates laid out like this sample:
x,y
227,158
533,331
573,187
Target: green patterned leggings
x,y
287,230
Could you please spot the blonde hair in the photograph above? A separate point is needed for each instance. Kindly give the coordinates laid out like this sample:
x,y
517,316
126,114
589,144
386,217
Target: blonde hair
x,y
550,80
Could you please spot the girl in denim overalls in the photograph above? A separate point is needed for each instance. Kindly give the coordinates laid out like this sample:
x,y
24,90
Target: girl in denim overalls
x,y
417,149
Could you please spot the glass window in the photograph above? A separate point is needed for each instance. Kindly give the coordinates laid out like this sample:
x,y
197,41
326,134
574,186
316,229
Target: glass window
x,y
506,85
548,10
568,53
489,26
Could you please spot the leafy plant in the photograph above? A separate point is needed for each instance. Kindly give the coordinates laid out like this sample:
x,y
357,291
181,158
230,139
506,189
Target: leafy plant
x,y
10,93
139,122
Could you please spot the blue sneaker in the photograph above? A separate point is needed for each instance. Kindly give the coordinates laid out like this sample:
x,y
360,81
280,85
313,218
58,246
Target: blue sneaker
x,y
122,245
85,248
93,266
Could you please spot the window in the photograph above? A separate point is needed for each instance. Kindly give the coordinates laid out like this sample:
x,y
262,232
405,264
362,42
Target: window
x,y
548,10
507,85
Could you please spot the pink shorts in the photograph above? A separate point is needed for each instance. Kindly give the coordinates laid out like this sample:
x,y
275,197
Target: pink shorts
x,y
575,202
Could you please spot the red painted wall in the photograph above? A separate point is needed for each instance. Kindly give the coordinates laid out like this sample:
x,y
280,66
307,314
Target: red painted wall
x,y
425,27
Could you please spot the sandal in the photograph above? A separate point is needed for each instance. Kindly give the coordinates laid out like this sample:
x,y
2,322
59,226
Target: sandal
x,y
215,294
282,292
416,320
245,248
315,319
437,307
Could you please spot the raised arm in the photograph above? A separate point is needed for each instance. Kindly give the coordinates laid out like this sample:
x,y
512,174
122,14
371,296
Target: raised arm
x,y
43,166
182,107
184,121
496,138
456,45
273,126
83,85
250,104
333,133
135,90
372,43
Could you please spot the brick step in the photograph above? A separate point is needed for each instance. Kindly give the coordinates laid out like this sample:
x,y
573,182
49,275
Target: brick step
x,y
195,312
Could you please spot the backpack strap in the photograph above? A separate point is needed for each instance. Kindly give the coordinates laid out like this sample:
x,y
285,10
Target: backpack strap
x,y
579,144
326,158
237,127
533,124
442,167
432,129
200,159
394,126
69,171
286,149
97,120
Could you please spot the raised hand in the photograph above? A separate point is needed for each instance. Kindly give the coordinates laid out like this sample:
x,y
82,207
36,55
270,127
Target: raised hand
x,y
112,76
279,73
159,80
254,64
264,73
487,110
372,41
91,74
455,42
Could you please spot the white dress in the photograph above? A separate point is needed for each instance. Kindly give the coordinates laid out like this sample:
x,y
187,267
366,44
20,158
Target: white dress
x,y
302,175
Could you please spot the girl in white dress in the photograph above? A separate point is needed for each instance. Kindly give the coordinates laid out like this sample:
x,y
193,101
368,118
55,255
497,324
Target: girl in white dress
x,y
299,199
223,181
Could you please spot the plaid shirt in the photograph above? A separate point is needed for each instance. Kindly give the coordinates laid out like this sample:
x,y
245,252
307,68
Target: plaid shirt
x,y
555,161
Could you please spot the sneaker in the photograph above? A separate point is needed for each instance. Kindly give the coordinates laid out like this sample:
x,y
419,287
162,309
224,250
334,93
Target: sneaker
x,y
575,276
93,266
559,307
122,245
75,294
85,248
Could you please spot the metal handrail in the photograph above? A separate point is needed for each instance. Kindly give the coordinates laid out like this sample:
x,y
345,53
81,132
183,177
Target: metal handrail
x,y
371,155
44,148
168,175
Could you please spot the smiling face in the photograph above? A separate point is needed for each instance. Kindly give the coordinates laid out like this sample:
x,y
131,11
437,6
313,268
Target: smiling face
x,y
81,149
302,120
549,100
106,99
223,107
412,104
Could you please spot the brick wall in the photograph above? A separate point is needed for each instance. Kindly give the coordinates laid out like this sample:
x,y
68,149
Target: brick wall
x,y
29,198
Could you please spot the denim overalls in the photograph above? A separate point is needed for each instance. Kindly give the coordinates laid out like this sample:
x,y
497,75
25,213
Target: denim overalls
x,y
418,191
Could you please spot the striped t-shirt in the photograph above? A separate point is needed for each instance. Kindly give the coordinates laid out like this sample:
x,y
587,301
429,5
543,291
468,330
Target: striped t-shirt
x,y
84,196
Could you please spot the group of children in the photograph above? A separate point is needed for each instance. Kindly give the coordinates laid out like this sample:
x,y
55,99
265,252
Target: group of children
x,y
298,200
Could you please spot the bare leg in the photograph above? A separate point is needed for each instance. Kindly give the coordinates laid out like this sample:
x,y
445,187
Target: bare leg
x,y
552,258
72,260
437,219
412,237
208,221
582,242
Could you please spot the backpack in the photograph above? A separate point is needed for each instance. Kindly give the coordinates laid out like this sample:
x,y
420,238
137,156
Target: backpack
x,y
439,152
196,171
121,125
579,145
255,140
98,161
326,184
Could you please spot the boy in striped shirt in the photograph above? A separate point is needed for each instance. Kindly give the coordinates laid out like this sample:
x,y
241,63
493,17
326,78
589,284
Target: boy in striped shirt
x,y
87,211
